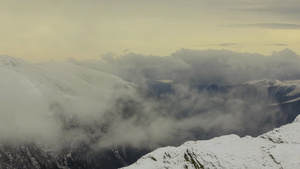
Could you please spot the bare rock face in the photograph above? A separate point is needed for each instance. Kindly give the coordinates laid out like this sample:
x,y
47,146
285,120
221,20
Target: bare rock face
x,y
279,148
27,156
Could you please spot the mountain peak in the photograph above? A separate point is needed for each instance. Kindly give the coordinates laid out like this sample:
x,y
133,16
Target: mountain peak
x,y
286,53
10,61
297,119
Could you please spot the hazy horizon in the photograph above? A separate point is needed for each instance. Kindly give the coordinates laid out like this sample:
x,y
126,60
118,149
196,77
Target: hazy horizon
x,y
115,56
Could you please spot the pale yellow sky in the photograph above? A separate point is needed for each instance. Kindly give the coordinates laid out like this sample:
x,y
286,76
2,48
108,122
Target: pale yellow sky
x,y
42,30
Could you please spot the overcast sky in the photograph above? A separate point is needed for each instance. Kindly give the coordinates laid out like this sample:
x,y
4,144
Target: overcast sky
x,y
38,30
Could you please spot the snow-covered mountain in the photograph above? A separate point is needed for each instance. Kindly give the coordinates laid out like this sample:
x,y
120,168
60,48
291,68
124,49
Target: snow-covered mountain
x,y
285,91
279,148
285,95
37,100
52,114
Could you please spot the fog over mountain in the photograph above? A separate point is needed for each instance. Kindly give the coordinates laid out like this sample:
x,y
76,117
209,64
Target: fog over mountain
x,y
134,103
196,67
192,75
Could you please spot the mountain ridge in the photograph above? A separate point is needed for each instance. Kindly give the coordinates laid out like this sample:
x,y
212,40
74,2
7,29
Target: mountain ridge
x,y
279,148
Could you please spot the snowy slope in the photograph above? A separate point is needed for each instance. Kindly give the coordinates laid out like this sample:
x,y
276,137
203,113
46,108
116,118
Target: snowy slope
x,y
289,89
64,77
47,84
53,105
279,148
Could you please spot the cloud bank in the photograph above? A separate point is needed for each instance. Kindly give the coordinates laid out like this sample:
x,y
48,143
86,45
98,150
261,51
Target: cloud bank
x,y
140,100
185,107
203,67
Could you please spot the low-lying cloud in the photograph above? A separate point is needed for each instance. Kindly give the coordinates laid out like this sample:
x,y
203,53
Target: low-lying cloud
x,y
204,67
142,101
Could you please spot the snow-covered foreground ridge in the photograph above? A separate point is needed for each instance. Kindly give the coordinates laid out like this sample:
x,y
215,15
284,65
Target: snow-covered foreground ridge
x,y
279,148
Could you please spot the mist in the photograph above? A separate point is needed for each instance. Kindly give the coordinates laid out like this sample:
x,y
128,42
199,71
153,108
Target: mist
x,y
204,66
140,100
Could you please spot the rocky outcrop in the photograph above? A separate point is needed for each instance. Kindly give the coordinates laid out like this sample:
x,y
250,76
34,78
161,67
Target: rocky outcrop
x,y
279,148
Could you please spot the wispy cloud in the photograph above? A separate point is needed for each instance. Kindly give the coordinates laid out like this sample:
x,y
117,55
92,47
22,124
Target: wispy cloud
x,y
268,25
277,44
215,44
225,44
289,10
